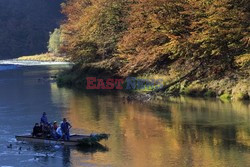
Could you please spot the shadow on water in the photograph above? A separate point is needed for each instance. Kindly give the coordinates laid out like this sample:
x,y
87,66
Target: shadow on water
x,y
53,148
44,153
93,149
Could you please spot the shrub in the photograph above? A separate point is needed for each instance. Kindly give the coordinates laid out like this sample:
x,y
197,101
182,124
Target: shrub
x,y
225,96
209,93
195,89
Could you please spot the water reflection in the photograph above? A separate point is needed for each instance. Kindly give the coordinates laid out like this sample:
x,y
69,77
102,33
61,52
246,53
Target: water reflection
x,y
178,132
66,156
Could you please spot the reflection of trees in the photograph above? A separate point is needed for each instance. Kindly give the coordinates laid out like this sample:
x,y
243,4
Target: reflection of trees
x,y
217,127
185,132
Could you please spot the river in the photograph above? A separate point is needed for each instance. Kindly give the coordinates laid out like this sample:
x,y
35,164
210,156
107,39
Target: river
x,y
179,132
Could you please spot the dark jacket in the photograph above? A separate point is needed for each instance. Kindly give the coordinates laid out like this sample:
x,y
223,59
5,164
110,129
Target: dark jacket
x,y
37,130
44,119
65,126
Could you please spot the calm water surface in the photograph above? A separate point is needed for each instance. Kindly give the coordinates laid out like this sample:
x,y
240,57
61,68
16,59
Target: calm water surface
x,y
179,132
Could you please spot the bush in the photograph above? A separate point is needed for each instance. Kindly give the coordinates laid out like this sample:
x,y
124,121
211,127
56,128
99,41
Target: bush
x,y
241,90
195,89
210,93
241,96
225,96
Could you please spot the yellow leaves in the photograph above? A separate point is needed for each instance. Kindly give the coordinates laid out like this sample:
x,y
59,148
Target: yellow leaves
x,y
100,22
141,31
243,60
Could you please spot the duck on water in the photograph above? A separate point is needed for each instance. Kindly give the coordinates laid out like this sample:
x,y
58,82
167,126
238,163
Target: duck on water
x,y
53,134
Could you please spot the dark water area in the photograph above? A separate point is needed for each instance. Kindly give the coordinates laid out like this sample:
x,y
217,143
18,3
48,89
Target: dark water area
x,y
8,67
174,133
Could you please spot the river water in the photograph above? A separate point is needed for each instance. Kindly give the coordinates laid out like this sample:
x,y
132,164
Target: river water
x,y
179,132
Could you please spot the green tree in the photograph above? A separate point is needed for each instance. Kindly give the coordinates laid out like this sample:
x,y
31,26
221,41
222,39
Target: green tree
x,y
54,41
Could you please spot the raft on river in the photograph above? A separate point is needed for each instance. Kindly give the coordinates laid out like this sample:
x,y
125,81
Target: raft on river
x,y
75,140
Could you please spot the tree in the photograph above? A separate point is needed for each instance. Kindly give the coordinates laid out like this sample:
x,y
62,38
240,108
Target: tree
x,y
25,26
98,24
153,33
54,41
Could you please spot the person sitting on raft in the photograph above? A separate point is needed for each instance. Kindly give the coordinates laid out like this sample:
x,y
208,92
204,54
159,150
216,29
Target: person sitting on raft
x,y
37,131
54,128
59,133
65,126
46,130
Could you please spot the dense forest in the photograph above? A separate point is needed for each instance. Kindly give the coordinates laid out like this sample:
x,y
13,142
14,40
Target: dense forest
x,y
25,26
146,30
198,47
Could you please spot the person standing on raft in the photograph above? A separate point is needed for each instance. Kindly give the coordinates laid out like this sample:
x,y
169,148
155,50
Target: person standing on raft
x,y
44,119
65,127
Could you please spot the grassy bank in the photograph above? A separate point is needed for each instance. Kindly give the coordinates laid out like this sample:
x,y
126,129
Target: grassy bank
x,y
182,77
48,57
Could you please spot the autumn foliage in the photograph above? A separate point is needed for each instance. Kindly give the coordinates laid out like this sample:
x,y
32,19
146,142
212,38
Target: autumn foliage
x,y
142,33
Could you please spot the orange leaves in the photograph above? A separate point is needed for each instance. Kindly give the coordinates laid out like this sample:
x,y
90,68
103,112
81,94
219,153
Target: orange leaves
x,y
142,31
152,23
99,22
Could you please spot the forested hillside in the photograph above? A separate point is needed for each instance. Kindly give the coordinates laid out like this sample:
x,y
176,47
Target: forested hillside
x,y
25,26
197,46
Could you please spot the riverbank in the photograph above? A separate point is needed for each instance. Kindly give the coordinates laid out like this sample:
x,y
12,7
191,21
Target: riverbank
x,y
45,57
181,77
